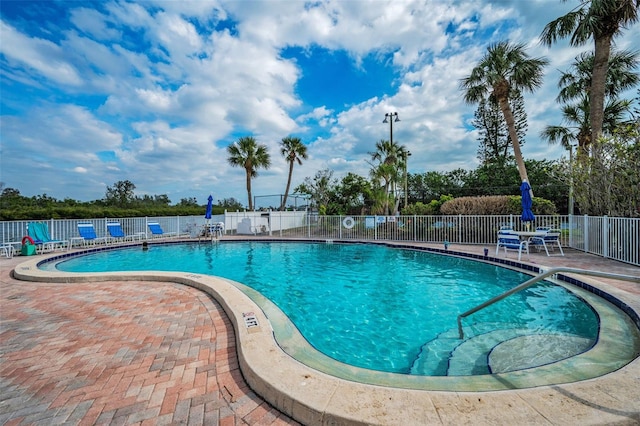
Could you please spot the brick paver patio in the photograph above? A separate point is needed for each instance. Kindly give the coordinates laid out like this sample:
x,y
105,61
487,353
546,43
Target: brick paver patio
x,y
120,353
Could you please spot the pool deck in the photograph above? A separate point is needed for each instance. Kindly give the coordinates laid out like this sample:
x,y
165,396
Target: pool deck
x,y
113,351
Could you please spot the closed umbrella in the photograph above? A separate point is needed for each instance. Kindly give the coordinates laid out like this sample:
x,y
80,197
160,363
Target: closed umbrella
x,y
207,214
527,203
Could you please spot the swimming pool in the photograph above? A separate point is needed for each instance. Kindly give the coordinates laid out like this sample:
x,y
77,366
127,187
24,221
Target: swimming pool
x,y
381,308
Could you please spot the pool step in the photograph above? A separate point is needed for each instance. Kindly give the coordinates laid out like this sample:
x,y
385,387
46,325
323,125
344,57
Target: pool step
x,y
471,357
495,348
433,358
535,350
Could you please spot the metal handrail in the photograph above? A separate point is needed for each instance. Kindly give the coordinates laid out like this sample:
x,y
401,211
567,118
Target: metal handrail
x,y
536,279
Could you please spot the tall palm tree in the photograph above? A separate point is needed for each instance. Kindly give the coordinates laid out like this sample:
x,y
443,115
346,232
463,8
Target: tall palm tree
x,y
574,87
246,153
504,68
293,150
602,21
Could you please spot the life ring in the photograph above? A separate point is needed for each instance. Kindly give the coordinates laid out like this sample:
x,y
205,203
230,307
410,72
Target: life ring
x,y
28,238
348,222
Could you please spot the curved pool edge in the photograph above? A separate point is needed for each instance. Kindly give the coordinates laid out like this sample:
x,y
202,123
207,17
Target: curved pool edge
x,y
313,397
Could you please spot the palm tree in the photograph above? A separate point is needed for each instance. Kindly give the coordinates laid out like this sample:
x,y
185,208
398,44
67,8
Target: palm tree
x,y
390,157
246,152
579,128
601,20
294,151
574,87
504,68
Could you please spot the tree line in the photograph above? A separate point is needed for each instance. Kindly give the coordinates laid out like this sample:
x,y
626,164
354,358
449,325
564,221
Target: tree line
x,y
119,201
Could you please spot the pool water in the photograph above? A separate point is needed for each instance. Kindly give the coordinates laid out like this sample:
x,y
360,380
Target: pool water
x,y
370,306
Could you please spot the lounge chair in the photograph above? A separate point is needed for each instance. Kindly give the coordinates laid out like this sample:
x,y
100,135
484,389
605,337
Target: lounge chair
x,y
548,241
157,232
511,242
116,233
88,234
39,233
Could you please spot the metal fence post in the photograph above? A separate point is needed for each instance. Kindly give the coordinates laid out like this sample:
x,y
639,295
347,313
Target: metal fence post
x,y
585,235
605,237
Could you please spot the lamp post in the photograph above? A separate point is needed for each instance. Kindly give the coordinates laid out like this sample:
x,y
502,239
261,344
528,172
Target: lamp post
x,y
390,117
571,201
406,155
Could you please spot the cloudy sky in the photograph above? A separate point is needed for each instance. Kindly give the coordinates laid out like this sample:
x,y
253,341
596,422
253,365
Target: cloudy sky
x,y
153,92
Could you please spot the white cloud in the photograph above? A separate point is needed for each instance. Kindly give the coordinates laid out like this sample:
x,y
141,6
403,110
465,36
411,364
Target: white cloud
x,y
93,23
42,56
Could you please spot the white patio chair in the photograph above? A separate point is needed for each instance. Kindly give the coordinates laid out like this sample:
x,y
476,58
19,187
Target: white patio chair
x,y
548,241
511,242
7,250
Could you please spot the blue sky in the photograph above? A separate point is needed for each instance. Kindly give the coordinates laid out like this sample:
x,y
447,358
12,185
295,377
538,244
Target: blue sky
x,y
153,92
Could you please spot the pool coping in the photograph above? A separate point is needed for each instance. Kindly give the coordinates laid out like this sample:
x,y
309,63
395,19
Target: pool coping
x,y
313,397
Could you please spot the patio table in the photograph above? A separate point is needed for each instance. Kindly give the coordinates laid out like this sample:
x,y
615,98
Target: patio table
x,y
528,234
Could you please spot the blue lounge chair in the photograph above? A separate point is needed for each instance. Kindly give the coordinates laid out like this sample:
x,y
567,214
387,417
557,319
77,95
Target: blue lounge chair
x,y
511,242
117,234
88,234
39,233
157,232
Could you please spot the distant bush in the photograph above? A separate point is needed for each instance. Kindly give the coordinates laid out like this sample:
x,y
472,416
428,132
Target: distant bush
x,y
433,208
495,205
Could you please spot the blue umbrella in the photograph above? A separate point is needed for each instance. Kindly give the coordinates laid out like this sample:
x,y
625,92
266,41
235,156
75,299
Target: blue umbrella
x,y
527,203
207,214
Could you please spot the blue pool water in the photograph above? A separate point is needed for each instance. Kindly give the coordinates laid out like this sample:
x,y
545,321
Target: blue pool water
x,y
370,306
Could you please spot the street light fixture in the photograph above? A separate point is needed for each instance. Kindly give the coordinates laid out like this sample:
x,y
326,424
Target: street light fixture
x,y
390,117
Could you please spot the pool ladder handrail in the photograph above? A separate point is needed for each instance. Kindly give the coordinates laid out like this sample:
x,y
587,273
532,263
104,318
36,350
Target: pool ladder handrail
x,y
536,279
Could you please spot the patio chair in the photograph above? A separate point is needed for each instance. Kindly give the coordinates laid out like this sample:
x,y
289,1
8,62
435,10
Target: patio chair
x,y
39,233
511,242
88,234
548,241
7,250
116,233
213,230
157,232
218,229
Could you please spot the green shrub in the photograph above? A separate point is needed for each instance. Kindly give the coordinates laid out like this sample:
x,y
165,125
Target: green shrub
x,y
433,208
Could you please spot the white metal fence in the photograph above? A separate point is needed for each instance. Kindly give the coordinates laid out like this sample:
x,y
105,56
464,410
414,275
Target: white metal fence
x,y
614,238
